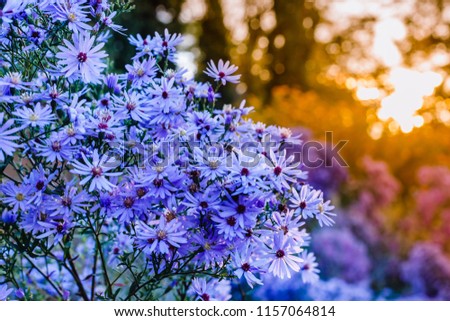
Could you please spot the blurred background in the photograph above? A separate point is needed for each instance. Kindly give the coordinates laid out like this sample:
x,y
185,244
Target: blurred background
x,y
373,72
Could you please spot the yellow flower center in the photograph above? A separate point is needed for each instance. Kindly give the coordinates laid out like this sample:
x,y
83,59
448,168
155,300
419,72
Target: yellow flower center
x,y
320,207
140,72
214,164
162,234
20,197
72,17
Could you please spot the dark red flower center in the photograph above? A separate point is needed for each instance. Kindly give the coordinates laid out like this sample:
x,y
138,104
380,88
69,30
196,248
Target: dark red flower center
x,y
280,253
40,185
131,106
82,57
245,172
102,125
54,95
128,202
157,182
97,171
241,209
277,170
221,74
66,201
204,204
165,94
245,267
56,146
231,221
59,228
205,297
141,192
302,205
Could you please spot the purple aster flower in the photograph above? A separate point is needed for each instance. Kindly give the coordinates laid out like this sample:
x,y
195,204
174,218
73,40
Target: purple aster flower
x,y
133,105
324,214
211,167
7,144
308,268
165,94
107,122
58,229
201,289
36,116
122,244
96,171
209,247
98,6
80,58
229,227
205,202
71,135
108,22
36,35
13,80
165,45
247,175
223,72
54,94
4,291
211,291
282,257
204,122
289,225
139,42
157,179
11,8
284,172
9,217
127,205
15,196
105,204
31,219
141,73
71,202
307,202
246,267
243,209
160,237
55,148
72,12
38,181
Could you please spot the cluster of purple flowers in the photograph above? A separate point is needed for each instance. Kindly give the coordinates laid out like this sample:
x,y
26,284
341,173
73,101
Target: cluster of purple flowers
x,y
162,184
427,271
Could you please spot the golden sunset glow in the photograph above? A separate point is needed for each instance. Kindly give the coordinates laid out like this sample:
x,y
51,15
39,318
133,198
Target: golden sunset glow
x,y
410,87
